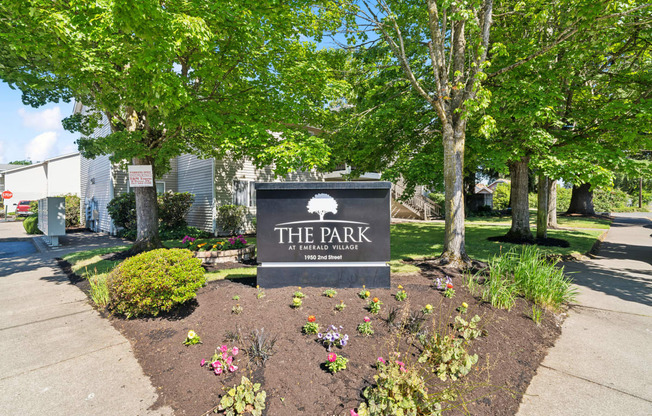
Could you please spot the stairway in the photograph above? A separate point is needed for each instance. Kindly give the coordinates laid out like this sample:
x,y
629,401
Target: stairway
x,y
416,206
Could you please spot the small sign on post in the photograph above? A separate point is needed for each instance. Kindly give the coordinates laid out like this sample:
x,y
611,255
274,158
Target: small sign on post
x,y
7,195
140,176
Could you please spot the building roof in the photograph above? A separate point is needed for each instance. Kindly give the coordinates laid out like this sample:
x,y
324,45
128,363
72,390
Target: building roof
x,y
21,167
482,189
7,166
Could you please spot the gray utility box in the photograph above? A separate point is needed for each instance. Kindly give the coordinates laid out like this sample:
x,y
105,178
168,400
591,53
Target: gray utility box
x,y
52,219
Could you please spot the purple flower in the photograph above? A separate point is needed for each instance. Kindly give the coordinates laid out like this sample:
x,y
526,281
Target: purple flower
x,y
320,335
438,284
449,281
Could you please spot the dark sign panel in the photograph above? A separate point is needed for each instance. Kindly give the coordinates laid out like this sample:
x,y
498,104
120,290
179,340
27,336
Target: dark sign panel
x,y
323,234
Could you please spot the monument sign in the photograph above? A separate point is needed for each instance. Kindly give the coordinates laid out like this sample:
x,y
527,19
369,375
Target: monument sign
x,y
331,234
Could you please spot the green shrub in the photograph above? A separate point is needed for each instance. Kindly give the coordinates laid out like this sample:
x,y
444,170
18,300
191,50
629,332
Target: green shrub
x,y
72,210
438,198
31,225
167,233
122,210
231,218
501,196
563,198
608,200
173,207
154,282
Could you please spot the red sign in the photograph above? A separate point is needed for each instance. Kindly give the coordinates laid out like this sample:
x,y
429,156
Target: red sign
x,y
7,195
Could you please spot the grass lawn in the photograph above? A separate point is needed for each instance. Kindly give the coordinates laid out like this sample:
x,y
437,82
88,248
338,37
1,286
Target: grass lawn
x,y
90,262
414,241
566,222
425,240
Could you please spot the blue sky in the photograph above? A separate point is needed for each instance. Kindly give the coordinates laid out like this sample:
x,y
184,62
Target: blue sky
x,y
32,133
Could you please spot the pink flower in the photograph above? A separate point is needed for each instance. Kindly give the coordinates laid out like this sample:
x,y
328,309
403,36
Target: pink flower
x,y
332,357
366,319
224,355
224,348
401,363
229,360
203,362
218,371
381,360
216,364
235,351
233,368
353,413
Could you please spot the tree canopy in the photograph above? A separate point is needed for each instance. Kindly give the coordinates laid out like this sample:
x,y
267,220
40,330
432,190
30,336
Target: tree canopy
x,y
176,76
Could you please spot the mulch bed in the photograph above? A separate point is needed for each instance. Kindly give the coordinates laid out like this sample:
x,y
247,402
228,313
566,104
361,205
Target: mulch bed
x,y
294,377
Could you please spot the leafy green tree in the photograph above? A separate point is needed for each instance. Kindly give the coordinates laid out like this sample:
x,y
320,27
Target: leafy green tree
x,y
21,162
175,76
432,55
579,101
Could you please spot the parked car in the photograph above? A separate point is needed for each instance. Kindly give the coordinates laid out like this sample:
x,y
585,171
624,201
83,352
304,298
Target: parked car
x,y
22,209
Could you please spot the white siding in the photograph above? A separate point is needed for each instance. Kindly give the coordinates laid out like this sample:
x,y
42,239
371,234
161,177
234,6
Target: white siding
x,y
228,170
98,184
29,183
64,176
196,176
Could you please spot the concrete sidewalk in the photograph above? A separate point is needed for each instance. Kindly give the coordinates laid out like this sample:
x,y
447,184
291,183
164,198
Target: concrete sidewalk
x,y
602,362
59,356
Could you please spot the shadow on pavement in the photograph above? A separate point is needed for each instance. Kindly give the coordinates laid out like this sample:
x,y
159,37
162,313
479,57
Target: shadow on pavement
x,y
626,284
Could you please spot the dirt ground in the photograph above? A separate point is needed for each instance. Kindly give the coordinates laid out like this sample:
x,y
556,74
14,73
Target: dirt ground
x,y
295,378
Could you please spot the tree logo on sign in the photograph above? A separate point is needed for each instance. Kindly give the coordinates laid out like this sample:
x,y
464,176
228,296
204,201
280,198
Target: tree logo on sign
x,y
322,204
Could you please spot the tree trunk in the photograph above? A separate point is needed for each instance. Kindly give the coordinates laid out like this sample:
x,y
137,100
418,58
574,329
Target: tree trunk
x,y
519,195
147,237
581,200
454,254
640,192
542,206
552,203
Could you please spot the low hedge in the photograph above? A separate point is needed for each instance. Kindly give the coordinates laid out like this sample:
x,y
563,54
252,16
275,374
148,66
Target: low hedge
x,y
31,225
153,282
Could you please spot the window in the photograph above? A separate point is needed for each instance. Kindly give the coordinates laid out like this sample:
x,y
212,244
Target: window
x,y
244,193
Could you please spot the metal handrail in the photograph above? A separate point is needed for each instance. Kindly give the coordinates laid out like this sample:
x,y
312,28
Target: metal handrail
x,y
417,203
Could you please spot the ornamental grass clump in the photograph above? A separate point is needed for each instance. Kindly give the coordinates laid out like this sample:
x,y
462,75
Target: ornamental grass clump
x,y
155,281
526,273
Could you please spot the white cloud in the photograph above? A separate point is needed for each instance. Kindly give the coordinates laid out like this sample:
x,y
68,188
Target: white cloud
x,y
45,120
42,146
